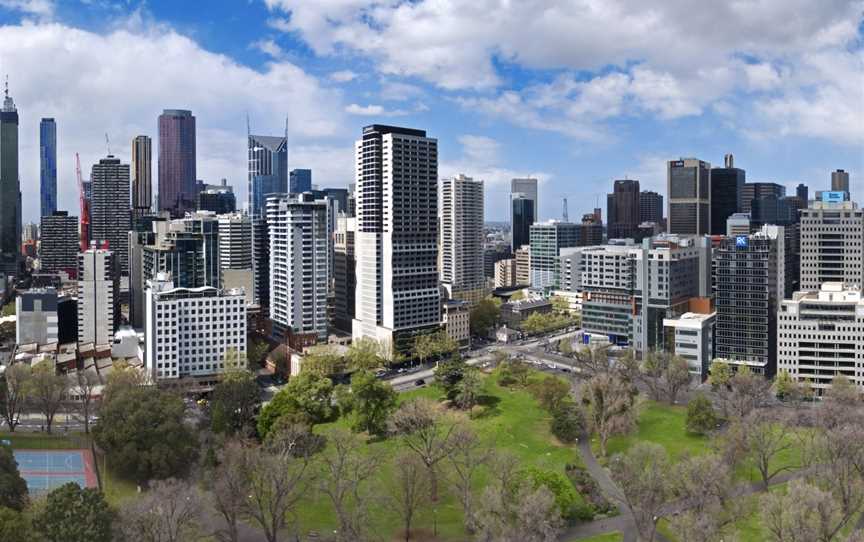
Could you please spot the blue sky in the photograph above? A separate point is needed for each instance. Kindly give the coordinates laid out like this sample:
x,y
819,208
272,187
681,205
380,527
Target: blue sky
x,y
576,92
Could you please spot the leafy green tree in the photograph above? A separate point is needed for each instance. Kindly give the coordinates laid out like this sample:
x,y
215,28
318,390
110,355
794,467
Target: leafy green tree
x,y
448,374
47,391
365,353
550,392
307,394
534,323
568,423
424,347
469,388
14,392
609,406
322,361
513,372
233,403
559,304
72,514
566,497
144,436
372,403
565,347
15,526
701,418
13,488
255,351
484,316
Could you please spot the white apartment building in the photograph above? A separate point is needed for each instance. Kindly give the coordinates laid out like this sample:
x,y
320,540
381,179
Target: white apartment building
x,y
98,291
820,335
505,273
189,330
235,241
461,208
397,294
693,340
522,265
832,244
300,247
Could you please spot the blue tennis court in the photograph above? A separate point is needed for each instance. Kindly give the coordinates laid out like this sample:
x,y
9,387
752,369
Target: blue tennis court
x,y
44,470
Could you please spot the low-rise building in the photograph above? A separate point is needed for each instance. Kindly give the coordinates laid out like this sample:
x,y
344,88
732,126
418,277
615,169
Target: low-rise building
x,y
514,312
455,315
505,273
36,311
691,336
522,265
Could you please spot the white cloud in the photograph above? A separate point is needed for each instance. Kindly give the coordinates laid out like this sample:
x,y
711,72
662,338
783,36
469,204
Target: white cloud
x,y
269,47
148,69
343,76
370,110
40,8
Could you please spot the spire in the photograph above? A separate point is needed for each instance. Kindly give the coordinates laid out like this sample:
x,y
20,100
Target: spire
x,y
8,103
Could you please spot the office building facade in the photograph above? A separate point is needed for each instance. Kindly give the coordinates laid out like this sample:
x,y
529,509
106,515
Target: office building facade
x,y
268,170
528,188
110,219
522,265
98,292
461,208
691,336
10,189
344,273
840,181
217,200
505,273
650,207
522,217
235,242
47,166
688,186
299,181
832,242
36,312
142,175
59,243
547,240
623,209
397,233
727,184
755,191
177,161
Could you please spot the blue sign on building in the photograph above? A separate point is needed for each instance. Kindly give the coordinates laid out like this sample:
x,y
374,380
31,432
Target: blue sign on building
x,y
741,241
833,197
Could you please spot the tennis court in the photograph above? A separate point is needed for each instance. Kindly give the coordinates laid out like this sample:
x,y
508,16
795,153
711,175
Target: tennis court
x,y
44,470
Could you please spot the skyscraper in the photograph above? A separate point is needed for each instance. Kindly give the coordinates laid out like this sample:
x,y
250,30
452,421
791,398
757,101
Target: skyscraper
x,y
754,191
177,170
344,272
142,176
299,180
299,264
109,208
10,189
268,170
59,243
462,238
622,209
832,241
650,207
98,291
528,187
547,240
521,218
235,242
839,181
726,186
48,166
397,232
688,186
803,194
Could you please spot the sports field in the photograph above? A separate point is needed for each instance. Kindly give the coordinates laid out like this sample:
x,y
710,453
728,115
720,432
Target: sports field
x,y
44,470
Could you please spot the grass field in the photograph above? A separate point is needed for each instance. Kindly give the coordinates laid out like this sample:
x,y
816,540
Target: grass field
x,y
513,422
606,537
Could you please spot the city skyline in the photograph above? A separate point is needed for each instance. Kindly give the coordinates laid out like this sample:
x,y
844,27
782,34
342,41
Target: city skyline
x,y
533,110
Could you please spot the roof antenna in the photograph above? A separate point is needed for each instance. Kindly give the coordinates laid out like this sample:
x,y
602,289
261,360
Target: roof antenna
x,y
7,85
248,126
108,143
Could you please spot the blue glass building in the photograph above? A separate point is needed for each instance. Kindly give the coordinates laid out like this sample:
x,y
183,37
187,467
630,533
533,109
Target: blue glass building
x,y
268,170
48,166
300,180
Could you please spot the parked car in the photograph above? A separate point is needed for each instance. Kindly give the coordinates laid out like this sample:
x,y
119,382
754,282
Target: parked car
x,y
419,382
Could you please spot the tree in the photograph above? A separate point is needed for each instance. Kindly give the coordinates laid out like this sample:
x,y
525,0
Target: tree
x,y
228,489
233,403
559,304
535,323
276,482
443,346
428,432
123,378
13,488
484,316
143,433
593,360
448,374
365,353
804,514
512,510
322,361
550,392
841,404
760,440
566,497
568,423
609,406
372,402
14,392
255,351
701,418
720,377
15,526
643,476
410,493
345,471
82,387
565,346
468,389
664,375
72,514
468,455
293,435
424,347
749,391
519,371
703,485
167,513
308,393
838,460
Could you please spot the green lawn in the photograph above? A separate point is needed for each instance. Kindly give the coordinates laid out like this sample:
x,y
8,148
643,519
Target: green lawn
x,y
515,424
607,537
8,309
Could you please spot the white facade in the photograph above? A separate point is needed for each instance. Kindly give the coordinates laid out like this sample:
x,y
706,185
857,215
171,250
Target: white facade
x,y
36,314
832,243
189,330
235,242
522,265
462,234
397,234
97,293
821,335
505,273
300,263
693,340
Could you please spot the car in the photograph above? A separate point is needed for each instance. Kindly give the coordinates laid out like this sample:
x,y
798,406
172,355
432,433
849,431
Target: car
x,y
419,382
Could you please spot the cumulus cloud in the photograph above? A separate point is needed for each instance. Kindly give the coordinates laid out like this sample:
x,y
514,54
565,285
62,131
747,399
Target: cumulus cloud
x,y
370,110
151,68
343,76
40,8
269,47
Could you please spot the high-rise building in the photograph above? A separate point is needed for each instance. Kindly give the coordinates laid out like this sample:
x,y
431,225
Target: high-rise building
x,y
261,261
820,335
217,200
142,175
754,191
36,312
299,180
462,238
832,241
58,247
688,186
110,219
338,196
505,273
738,224
190,331
235,242
650,207
397,234
547,240
344,273
268,170
522,265
48,166
521,218
803,194
177,166
727,183
749,284
299,264
10,189
143,234
187,249
623,209
528,187
98,291
840,181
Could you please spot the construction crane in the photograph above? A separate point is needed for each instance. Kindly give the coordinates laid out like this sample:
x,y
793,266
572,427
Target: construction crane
x,y
85,207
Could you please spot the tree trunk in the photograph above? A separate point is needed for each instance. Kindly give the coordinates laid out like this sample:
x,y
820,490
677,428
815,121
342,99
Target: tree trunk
x,y
48,421
433,483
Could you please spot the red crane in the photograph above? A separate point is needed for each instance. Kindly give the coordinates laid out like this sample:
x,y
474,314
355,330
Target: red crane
x,y
85,207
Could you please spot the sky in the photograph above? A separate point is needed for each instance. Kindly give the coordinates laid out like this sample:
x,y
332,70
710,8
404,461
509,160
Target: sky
x,y
574,92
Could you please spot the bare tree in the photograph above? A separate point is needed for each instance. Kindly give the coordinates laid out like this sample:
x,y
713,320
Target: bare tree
x,y
166,513
411,491
665,375
514,511
82,388
703,486
345,472
765,440
229,489
14,392
47,390
676,378
841,404
276,483
428,431
748,391
643,475
593,360
804,513
610,406
839,466
469,454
